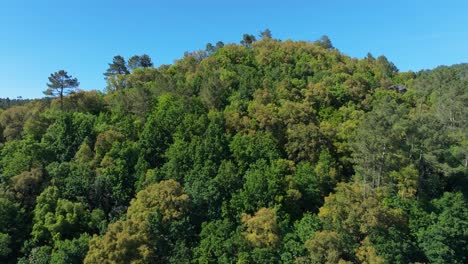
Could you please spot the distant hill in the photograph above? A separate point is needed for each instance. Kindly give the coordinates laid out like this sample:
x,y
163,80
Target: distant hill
x,y
7,102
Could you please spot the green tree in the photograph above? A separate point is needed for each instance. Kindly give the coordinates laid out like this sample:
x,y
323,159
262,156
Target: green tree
x,y
18,156
325,247
360,227
294,247
39,255
67,133
116,74
60,84
114,185
324,42
265,34
247,149
157,134
70,251
12,228
443,235
5,249
379,142
143,61
58,219
129,241
267,185
219,242
247,40
118,66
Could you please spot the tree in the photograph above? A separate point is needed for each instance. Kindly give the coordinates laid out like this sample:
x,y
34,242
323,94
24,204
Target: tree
x,y
70,251
57,219
61,83
118,66
114,184
27,185
388,68
324,42
266,185
247,149
38,255
219,45
116,74
247,40
362,227
157,134
266,34
12,122
262,228
143,61
378,144
4,245
216,87
209,48
11,227
294,241
325,247
444,235
129,241
67,133
219,242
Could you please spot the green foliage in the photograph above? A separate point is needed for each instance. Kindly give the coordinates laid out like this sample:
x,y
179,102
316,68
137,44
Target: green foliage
x,y
379,146
12,122
294,241
159,128
58,219
130,240
219,243
443,235
267,186
247,149
4,245
118,66
115,177
266,152
39,255
67,133
143,61
358,219
70,251
18,156
11,228
6,103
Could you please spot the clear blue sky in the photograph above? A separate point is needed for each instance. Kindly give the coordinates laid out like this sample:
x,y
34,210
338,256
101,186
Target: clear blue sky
x,y
38,37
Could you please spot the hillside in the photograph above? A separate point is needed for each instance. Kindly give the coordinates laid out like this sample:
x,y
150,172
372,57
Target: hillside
x,y
265,152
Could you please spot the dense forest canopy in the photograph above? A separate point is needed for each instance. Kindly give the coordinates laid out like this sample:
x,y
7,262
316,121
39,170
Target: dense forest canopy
x,y
266,151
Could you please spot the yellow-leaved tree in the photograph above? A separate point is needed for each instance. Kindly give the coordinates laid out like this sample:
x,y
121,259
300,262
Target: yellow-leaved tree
x,y
127,241
262,228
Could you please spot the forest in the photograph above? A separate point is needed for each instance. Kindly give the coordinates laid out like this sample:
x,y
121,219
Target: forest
x,y
265,151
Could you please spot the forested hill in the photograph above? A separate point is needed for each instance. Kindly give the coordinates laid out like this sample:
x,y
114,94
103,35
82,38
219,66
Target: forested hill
x,y
264,152
7,102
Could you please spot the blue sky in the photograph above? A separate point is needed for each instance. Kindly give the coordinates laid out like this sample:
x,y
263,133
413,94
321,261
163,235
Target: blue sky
x,y
38,37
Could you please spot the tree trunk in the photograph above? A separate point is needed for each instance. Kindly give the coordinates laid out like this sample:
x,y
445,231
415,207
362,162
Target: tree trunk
x,y
61,98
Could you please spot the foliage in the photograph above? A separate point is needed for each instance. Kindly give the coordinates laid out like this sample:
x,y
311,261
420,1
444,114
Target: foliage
x,y
129,241
266,151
